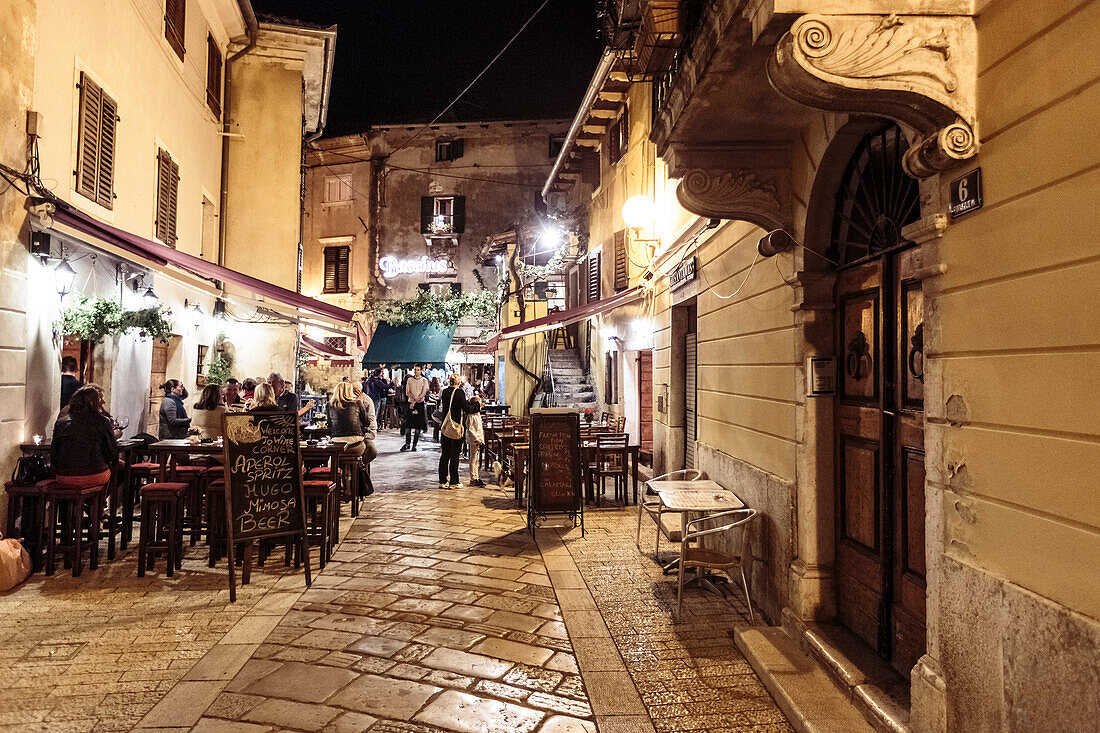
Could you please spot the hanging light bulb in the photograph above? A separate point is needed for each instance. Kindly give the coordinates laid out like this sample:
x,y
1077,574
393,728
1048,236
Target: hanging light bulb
x,y
64,277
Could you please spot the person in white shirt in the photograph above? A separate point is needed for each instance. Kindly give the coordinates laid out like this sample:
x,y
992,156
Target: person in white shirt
x,y
416,389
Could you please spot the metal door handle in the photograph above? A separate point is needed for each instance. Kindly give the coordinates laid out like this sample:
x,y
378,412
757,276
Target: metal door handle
x,y
891,413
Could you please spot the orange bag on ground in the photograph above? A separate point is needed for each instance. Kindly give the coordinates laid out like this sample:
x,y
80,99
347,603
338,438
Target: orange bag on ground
x,y
15,564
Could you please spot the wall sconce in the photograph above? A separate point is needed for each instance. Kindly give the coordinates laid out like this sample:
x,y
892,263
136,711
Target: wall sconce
x,y
64,276
637,215
194,310
149,299
219,311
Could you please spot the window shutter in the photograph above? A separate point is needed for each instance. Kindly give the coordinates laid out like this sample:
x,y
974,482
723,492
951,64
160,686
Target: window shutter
x,y
213,76
337,260
622,272
330,269
457,148
105,171
175,12
91,115
427,210
594,277
168,177
459,213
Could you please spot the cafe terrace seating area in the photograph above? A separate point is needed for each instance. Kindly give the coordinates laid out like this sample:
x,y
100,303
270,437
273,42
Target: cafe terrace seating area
x,y
162,496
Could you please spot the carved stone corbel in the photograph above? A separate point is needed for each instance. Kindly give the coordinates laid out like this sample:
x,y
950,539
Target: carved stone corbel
x,y
733,194
918,70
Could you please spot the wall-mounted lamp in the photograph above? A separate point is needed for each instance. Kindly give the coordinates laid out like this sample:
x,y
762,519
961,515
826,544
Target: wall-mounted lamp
x,y
219,311
150,298
194,310
64,276
638,215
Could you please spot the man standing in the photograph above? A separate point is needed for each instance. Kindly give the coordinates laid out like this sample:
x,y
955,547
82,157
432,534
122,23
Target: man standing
x,y
377,390
70,380
416,390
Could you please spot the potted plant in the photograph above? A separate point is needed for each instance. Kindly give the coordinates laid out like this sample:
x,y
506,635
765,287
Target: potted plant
x,y
589,414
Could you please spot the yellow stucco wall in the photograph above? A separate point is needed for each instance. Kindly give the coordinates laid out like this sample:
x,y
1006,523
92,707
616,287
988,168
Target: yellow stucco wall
x,y
1019,313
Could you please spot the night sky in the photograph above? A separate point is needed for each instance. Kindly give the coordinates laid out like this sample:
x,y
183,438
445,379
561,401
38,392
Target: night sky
x,y
405,60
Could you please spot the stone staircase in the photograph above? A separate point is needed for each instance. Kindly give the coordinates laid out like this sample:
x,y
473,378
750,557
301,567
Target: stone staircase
x,y
572,388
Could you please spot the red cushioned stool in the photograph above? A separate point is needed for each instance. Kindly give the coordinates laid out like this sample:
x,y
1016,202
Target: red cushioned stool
x,y
66,507
161,525
140,473
193,476
322,516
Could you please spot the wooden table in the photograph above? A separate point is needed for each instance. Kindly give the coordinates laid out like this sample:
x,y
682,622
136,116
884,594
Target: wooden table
x,y
695,496
175,447
495,409
588,445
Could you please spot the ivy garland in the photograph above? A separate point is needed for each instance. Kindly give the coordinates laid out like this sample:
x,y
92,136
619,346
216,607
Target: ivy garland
x,y
443,310
94,319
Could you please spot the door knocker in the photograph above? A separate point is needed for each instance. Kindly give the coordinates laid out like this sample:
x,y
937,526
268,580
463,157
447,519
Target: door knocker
x,y
858,351
916,353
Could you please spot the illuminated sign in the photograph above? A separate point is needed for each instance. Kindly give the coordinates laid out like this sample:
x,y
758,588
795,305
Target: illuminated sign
x,y
392,267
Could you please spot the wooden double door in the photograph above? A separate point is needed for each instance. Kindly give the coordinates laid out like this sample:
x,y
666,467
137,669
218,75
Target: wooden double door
x,y
880,548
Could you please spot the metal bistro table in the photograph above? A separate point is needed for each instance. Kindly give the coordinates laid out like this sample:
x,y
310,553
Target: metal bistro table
x,y
695,496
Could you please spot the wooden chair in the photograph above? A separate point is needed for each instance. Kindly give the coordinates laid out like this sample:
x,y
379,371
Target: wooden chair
x,y
707,558
656,509
66,507
27,509
610,460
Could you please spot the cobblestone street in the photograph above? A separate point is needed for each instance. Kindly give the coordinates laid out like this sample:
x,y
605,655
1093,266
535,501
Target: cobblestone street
x,y
438,613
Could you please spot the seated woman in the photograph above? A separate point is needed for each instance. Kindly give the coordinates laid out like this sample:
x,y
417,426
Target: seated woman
x,y
208,412
173,416
84,446
352,421
264,399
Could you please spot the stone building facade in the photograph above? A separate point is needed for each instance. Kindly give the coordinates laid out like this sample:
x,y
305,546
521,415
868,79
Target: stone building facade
x,y
931,502
381,204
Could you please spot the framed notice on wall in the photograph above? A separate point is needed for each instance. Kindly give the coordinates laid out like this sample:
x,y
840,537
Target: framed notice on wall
x,y
263,484
555,474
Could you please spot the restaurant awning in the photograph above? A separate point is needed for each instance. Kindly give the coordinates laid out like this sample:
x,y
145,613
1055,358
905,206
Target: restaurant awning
x,y
156,253
572,315
323,350
405,346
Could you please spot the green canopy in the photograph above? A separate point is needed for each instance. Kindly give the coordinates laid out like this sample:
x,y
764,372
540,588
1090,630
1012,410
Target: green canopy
x,y
405,346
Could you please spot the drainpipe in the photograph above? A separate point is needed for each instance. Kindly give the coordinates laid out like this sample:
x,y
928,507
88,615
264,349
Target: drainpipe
x,y
252,30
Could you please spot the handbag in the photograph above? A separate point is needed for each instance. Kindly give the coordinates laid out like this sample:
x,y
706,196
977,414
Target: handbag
x,y
29,470
451,429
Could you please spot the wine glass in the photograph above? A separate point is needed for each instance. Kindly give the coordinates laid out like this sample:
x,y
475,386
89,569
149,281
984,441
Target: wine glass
x,y
122,422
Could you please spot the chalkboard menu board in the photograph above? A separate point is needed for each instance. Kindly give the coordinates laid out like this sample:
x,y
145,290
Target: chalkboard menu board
x,y
263,479
555,465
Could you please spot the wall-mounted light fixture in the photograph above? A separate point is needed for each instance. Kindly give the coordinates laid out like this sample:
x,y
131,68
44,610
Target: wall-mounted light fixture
x,y
638,216
194,311
64,276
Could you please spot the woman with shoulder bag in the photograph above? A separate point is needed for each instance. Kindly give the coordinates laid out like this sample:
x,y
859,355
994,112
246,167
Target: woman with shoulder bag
x,y
453,404
352,422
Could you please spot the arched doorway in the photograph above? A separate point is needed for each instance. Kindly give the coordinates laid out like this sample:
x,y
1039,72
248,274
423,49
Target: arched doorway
x,y
880,561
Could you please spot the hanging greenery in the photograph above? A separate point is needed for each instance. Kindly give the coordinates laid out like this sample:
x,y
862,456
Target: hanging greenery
x,y
443,310
94,319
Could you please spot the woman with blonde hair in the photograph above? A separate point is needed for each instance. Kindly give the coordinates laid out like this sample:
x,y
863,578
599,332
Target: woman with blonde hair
x,y
264,399
352,421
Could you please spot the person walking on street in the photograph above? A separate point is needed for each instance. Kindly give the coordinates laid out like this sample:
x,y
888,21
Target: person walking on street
x,y
475,436
416,389
377,390
401,401
453,403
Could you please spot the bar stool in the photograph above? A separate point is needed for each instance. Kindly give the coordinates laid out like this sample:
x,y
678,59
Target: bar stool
x,y
193,476
322,516
216,535
140,473
161,525
65,517
27,506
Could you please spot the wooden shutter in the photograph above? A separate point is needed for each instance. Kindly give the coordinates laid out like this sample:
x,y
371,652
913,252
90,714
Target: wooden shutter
x,y
168,178
690,413
213,76
427,211
622,272
336,269
91,123
594,277
175,12
458,217
457,148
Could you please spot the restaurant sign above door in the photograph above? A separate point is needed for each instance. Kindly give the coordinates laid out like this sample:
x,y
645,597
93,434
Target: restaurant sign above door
x,y
684,273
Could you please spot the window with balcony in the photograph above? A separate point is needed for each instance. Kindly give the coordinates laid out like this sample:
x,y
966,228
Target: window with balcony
x,y
448,149
442,215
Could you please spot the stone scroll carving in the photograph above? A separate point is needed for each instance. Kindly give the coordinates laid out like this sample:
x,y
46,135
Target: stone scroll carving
x,y
737,194
917,70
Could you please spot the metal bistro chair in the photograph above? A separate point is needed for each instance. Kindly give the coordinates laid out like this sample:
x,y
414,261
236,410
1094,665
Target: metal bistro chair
x,y
705,558
655,508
